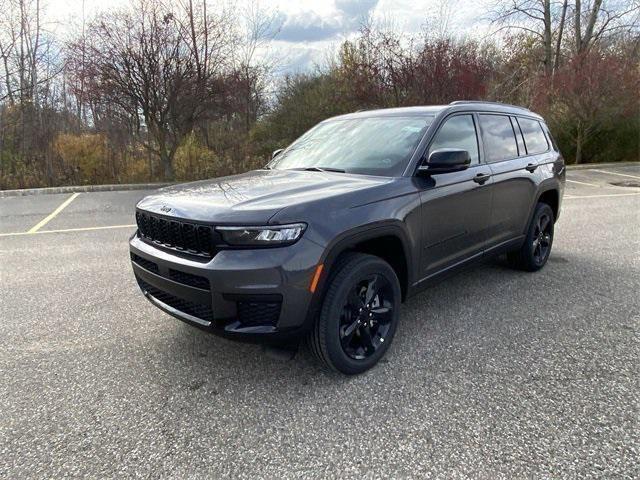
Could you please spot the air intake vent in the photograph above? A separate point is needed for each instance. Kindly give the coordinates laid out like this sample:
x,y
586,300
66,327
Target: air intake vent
x,y
189,279
252,313
144,263
198,310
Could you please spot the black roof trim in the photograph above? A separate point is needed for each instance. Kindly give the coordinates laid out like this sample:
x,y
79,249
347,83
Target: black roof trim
x,y
438,110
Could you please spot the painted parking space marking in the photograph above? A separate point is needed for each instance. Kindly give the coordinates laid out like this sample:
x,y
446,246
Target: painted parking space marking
x,y
53,214
615,173
66,230
582,183
571,197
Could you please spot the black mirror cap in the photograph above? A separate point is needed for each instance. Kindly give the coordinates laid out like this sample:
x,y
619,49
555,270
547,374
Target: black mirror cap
x,y
276,153
446,160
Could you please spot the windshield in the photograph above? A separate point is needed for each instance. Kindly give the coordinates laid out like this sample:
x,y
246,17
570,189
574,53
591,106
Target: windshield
x,y
369,146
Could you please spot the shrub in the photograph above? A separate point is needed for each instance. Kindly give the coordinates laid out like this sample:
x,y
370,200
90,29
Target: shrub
x,y
85,157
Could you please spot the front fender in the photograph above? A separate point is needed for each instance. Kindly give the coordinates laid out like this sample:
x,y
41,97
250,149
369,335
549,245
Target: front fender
x,y
347,241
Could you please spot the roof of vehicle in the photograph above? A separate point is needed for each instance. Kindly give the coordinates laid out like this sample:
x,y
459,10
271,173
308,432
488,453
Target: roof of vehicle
x,y
460,105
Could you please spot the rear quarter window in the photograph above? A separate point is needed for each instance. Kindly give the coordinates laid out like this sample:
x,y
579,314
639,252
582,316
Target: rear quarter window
x,y
534,137
550,138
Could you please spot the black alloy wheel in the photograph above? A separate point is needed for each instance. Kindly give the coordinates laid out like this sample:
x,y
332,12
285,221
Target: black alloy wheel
x,y
366,317
536,248
542,238
359,314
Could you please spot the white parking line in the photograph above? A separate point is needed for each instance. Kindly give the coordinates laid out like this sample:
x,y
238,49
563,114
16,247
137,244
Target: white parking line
x,y
64,230
571,197
582,183
52,215
615,173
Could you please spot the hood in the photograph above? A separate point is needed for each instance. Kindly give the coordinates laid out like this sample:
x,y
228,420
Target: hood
x,y
253,197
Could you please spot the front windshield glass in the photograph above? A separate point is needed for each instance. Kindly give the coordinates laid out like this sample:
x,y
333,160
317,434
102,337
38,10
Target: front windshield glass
x,y
369,146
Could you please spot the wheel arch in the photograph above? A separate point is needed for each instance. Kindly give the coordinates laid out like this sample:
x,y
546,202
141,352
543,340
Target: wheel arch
x,y
387,240
546,194
551,197
363,239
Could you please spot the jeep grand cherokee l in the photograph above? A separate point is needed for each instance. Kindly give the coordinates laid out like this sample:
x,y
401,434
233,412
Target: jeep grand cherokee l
x,y
358,214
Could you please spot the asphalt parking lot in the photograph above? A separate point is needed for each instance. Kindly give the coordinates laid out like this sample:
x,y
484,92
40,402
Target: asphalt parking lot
x,y
493,373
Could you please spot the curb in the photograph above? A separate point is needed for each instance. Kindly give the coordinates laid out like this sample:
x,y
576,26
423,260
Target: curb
x,y
587,166
83,188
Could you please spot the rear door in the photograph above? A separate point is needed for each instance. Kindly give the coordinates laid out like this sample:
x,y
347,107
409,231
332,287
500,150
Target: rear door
x,y
513,175
455,206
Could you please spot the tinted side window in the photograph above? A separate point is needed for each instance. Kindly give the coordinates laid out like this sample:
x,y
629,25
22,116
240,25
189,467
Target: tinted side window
x,y
534,137
499,139
458,132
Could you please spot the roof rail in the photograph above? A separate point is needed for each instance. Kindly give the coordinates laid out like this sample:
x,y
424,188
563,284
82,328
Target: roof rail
x,y
462,102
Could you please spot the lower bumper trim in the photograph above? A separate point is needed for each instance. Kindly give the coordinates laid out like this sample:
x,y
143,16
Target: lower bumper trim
x,y
173,311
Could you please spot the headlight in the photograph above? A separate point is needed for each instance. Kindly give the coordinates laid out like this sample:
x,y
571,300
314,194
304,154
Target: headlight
x,y
267,235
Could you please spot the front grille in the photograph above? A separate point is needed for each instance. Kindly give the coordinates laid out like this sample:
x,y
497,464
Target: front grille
x,y
188,237
144,263
256,313
189,279
198,310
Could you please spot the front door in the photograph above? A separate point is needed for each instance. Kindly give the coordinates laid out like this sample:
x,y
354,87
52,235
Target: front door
x,y
456,207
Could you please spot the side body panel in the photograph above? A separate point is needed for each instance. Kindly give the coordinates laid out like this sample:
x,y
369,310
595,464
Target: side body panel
x,y
514,188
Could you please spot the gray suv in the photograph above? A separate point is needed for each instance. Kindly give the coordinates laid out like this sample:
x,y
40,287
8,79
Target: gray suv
x,y
358,214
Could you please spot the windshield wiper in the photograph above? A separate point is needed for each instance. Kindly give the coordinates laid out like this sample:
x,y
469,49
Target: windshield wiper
x,y
320,169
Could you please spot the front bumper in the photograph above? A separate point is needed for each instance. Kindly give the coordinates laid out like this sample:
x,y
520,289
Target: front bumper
x,y
256,295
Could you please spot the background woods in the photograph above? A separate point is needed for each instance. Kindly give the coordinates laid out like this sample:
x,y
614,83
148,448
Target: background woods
x,y
180,90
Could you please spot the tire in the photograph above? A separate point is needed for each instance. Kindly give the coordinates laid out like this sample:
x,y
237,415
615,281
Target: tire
x,y
359,314
535,250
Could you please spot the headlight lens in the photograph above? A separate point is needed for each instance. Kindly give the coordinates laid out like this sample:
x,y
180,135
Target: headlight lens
x,y
263,235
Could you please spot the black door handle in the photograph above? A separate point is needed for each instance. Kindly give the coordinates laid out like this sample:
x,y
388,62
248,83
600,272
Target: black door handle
x,y
481,178
531,167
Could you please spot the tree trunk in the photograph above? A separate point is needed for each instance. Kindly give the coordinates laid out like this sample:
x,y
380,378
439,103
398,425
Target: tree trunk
x,y
150,160
578,27
593,17
167,166
548,48
579,141
556,61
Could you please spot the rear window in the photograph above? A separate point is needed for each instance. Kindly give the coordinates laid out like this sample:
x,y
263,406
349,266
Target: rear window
x,y
534,138
499,139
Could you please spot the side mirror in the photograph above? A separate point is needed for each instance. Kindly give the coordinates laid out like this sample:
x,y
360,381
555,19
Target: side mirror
x,y
276,153
445,160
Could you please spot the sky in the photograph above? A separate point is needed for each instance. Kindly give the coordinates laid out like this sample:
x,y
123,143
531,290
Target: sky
x,y
307,31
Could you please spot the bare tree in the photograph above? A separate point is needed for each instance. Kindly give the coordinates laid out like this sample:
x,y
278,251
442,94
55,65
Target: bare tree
x,y
257,28
601,19
538,18
162,64
546,20
440,19
29,66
